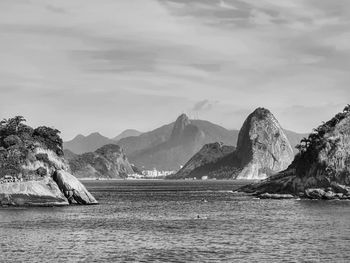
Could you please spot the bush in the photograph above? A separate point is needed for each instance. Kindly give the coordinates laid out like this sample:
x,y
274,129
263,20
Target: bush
x,y
12,140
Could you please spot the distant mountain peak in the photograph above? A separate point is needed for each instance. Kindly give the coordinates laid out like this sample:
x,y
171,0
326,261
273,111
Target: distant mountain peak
x,y
95,134
127,133
79,137
179,126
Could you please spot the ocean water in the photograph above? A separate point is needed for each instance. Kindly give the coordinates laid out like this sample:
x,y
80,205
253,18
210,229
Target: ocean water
x,y
157,221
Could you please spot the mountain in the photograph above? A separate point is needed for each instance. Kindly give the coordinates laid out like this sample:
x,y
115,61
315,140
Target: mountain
x,y
322,168
170,146
209,154
262,150
82,144
109,161
127,133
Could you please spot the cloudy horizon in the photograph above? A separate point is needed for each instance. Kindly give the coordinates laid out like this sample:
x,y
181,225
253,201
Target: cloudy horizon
x,y
84,66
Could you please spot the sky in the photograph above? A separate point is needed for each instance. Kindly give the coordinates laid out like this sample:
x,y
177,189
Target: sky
x,y
108,65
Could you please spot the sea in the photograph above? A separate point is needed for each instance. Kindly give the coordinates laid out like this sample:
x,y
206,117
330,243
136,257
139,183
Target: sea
x,y
177,221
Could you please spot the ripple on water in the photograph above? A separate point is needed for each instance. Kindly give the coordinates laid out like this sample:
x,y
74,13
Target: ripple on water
x,y
134,223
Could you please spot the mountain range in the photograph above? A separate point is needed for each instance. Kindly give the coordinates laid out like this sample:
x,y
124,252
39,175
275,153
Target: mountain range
x,y
167,147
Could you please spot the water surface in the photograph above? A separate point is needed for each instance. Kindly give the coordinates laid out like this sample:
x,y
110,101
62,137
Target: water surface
x,y
156,221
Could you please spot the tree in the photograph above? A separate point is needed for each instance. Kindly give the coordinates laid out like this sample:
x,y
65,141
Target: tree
x,y
12,125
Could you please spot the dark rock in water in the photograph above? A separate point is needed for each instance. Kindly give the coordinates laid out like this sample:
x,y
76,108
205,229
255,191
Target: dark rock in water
x,y
73,189
276,196
108,161
322,168
28,160
314,193
262,150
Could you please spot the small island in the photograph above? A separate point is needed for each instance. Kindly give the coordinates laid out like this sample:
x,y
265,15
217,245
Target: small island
x,y
33,171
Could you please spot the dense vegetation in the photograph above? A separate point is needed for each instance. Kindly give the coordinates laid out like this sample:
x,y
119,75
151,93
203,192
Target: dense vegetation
x,y
17,143
310,147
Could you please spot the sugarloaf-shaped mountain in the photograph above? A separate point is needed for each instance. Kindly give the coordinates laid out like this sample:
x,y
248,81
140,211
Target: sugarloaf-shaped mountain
x,y
109,161
321,170
263,149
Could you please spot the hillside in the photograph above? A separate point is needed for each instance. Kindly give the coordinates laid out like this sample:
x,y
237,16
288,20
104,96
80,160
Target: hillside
x,y
108,161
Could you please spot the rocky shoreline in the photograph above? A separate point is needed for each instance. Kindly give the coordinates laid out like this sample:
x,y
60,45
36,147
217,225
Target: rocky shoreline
x,y
312,193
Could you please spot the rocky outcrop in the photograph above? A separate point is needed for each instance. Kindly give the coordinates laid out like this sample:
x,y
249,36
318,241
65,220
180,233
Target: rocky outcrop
x,y
262,146
262,150
73,190
33,171
108,161
322,168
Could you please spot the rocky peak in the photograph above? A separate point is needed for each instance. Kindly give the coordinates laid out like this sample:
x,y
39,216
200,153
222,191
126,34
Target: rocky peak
x,y
262,147
180,125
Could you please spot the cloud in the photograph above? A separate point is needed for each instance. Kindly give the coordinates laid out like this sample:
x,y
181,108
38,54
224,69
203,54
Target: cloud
x,y
129,58
203,105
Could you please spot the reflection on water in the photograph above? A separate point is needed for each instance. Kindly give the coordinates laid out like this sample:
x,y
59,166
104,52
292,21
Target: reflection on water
x,y
156,221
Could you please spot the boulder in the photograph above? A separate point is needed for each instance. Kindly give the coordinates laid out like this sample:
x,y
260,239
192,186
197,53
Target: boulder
x,y
73,189
315,193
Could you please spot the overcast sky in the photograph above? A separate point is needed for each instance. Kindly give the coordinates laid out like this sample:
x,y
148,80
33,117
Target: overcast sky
x,y
108,65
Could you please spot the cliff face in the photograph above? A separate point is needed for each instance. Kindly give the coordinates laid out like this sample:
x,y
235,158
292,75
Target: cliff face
x,y
29,160
108,161
321,169
262,150
262,146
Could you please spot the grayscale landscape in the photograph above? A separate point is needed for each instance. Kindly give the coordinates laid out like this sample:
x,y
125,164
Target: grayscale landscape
x,y
174,131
